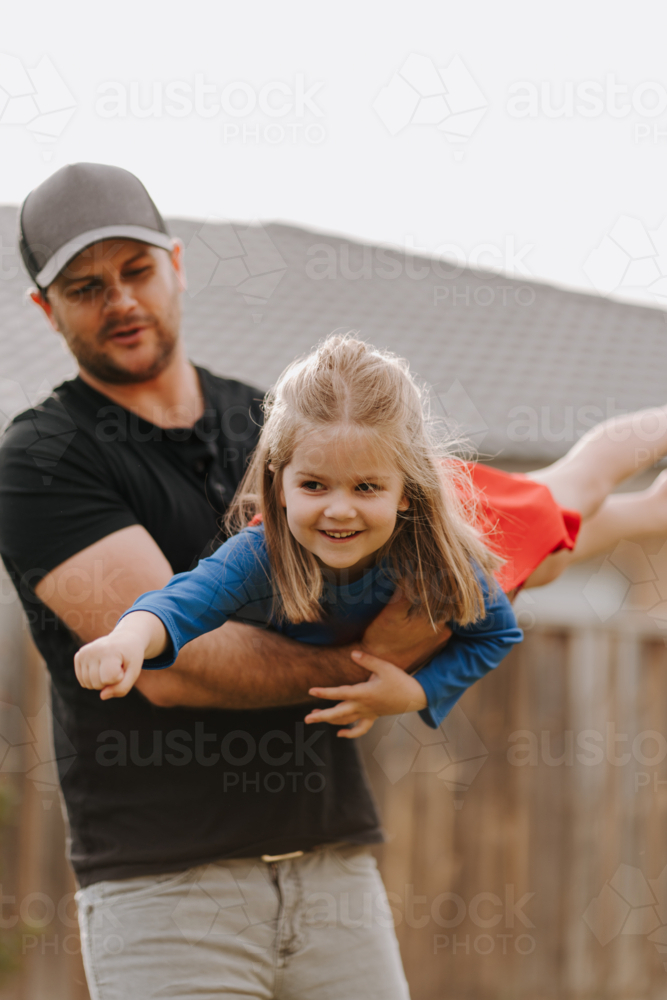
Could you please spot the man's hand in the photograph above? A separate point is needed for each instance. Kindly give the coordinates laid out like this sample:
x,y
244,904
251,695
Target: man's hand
x,y
406,642
389,691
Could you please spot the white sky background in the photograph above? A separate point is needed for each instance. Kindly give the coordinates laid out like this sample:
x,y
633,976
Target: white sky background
x,y
553,188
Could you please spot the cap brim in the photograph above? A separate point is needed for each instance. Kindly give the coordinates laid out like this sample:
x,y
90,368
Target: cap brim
x,y
70,250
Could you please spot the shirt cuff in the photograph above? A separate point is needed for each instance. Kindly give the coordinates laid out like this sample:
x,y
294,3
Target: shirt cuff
x,y
165,659
168,656
436,710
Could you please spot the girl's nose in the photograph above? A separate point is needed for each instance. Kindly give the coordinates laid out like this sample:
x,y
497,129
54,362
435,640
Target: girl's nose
x,y
340,508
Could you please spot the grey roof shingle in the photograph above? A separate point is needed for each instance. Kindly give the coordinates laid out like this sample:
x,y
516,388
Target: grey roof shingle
x,y
259,295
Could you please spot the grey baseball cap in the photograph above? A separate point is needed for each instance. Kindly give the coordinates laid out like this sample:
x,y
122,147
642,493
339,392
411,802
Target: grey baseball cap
x,y
79,205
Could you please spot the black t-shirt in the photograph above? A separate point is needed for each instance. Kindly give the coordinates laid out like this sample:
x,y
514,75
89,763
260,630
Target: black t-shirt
x,y
151,789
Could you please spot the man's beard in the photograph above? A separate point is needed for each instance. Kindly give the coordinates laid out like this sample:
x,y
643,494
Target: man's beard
x,y
105,368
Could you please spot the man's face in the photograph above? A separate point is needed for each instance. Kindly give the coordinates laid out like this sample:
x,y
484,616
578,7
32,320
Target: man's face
x,y
118,307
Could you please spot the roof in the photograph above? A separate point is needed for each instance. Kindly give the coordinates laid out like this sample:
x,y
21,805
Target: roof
x,y
524,368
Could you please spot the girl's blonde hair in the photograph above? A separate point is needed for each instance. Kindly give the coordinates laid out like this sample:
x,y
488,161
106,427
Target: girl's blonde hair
x,y
431,552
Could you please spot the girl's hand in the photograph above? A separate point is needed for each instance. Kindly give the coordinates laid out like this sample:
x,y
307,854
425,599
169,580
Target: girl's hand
x,y
390,691
111,664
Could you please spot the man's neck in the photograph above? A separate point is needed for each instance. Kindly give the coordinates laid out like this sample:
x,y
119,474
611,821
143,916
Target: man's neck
x,y
173,399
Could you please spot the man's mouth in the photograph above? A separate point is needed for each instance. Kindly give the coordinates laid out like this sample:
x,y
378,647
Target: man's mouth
x,y
127,334
339,535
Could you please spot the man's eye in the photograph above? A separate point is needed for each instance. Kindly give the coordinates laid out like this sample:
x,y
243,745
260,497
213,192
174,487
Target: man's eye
x,y
138,270
74,293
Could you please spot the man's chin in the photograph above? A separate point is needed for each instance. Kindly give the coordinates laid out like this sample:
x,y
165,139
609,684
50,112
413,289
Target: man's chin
x,y
127,370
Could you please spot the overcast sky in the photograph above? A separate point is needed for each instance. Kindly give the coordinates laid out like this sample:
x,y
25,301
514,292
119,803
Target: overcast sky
x,y
523,136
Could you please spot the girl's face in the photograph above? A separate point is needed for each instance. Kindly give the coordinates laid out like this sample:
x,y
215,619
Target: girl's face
x,y
341,498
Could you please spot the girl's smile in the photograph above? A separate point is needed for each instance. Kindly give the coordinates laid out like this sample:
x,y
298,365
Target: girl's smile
x,y
339,536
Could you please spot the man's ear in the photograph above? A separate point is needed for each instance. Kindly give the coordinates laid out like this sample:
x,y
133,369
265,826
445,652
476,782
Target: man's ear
x,y
40,299
178,263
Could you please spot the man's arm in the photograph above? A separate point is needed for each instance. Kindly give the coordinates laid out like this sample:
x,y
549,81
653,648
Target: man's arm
x,y
236,666
240,667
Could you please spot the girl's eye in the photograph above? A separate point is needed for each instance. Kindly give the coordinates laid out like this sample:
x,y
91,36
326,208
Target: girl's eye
x,y
368,487
313,486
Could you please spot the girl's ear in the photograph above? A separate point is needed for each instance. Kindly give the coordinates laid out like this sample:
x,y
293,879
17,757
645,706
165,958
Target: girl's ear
x,y
281,496
281,492
403,503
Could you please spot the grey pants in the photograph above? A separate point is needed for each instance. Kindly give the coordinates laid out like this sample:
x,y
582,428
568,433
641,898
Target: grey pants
x,y
317,927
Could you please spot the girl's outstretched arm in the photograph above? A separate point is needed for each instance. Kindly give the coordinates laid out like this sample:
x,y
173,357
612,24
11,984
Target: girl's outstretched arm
x,y
234,667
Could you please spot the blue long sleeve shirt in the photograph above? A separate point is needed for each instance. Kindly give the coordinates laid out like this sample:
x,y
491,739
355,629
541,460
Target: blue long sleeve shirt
x,y
234,584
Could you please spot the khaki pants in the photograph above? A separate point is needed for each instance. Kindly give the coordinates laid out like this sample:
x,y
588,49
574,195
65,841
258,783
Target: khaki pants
x,y
316,927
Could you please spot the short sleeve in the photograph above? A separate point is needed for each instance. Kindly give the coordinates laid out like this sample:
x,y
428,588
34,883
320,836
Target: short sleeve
x,y
56,497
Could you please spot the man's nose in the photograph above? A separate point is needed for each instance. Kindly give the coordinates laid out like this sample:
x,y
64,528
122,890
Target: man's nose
x,y
119,296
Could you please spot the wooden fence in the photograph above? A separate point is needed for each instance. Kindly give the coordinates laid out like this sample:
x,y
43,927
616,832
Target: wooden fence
x,y
545,877
527,838
37,911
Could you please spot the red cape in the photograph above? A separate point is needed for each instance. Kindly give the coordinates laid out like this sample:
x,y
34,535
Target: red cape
x,y
524,521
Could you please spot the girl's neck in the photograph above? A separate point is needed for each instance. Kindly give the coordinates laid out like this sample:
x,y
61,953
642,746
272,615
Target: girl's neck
x,y
349,574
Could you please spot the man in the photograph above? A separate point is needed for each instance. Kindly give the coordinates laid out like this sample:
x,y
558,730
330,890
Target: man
x,y
201,832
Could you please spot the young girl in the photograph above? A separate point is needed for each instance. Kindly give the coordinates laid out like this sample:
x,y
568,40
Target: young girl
x,y
356,504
